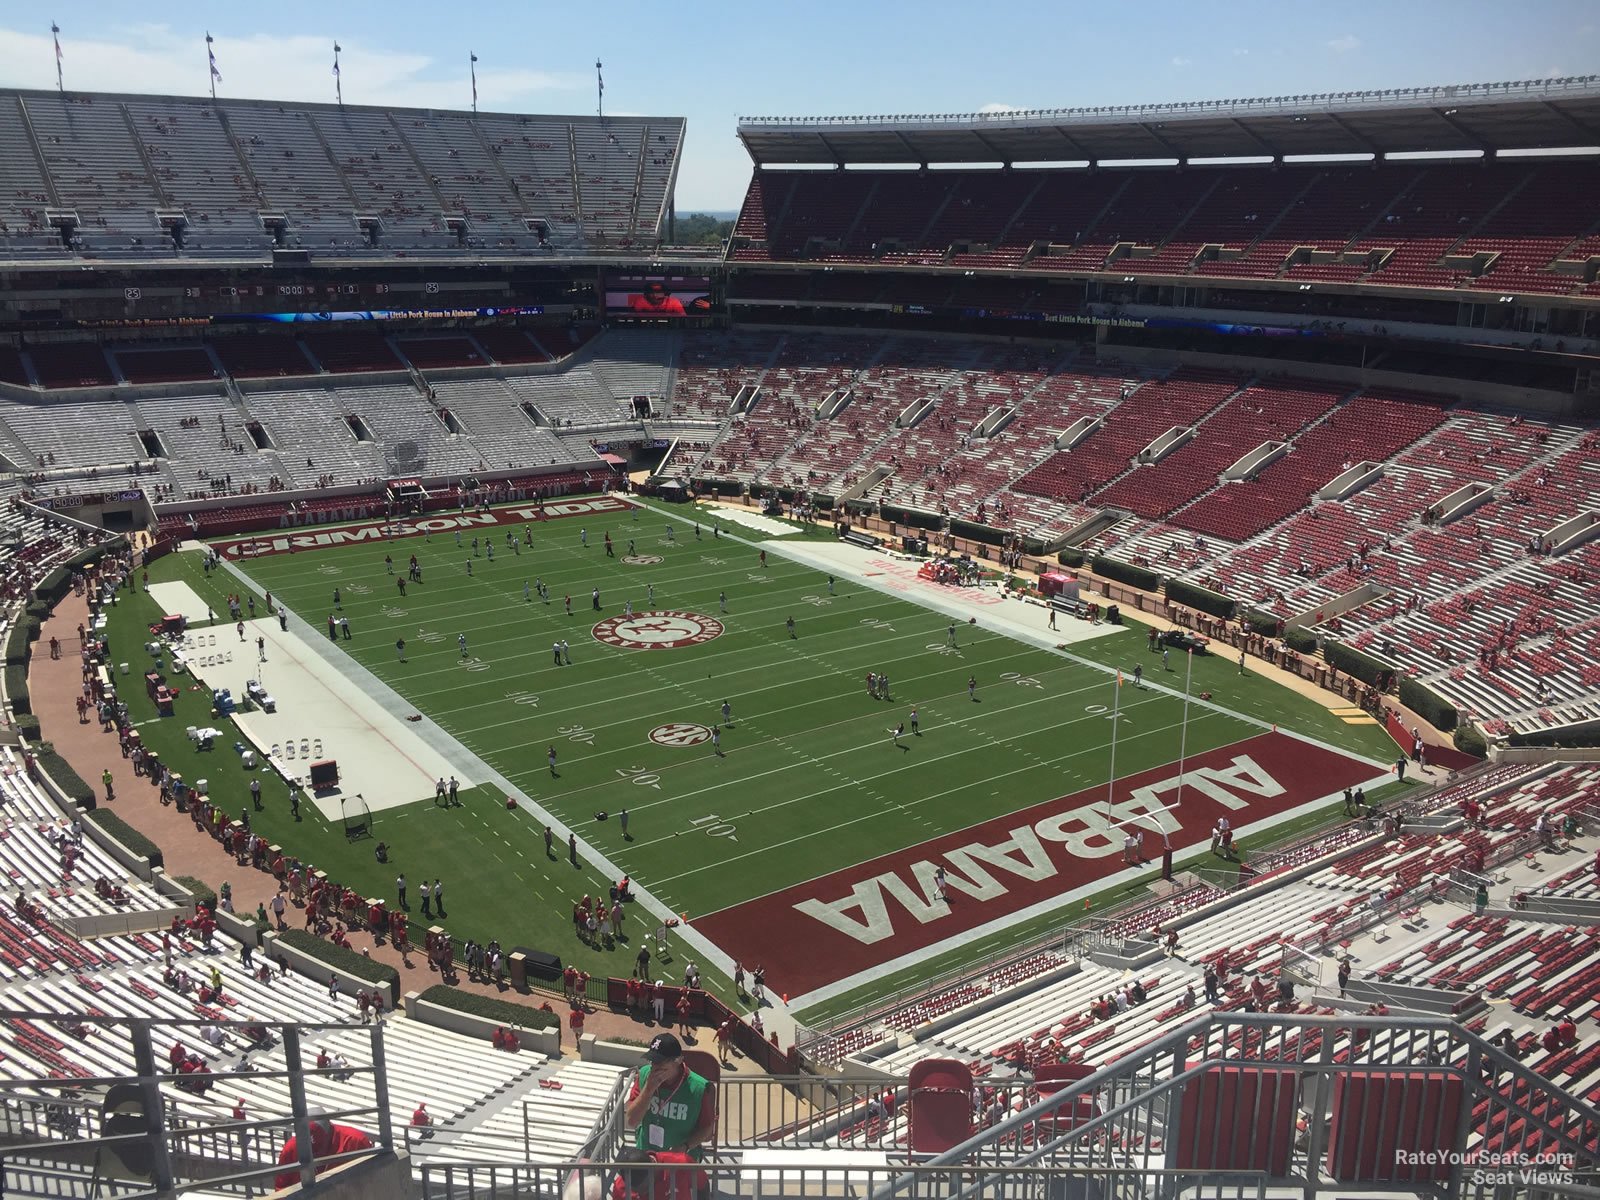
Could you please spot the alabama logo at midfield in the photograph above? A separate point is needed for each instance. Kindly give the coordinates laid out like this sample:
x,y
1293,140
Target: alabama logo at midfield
x,y
667,630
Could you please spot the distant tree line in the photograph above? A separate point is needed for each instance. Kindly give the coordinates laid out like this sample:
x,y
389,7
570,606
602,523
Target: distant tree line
x,y
700,229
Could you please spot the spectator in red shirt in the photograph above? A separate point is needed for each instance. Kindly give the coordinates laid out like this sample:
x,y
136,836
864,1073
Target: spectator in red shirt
x,y
575,1020
327,1140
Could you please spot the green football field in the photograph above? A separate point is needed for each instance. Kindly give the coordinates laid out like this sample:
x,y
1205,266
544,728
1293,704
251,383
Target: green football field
x,y
809,779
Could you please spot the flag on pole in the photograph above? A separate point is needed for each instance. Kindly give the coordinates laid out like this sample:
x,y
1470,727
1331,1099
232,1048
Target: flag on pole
x,y
601,79
338,80
55,31
211,54
474,69
336,58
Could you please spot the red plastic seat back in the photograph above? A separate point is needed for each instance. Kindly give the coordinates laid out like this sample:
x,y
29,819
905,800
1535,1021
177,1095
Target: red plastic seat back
x,y
939,1112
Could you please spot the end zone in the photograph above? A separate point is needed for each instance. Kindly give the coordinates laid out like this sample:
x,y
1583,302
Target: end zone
x,y
821,937
288,541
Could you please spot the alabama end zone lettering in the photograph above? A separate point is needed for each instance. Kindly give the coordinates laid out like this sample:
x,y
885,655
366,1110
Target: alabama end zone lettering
x,y
853,920
378,531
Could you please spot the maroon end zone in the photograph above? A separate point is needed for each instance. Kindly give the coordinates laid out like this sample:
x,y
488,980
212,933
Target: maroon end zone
x,y
853,920
287,541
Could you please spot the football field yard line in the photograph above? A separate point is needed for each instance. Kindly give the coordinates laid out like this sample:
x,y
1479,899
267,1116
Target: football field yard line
x,y
457,574
587,618
744,696
858,781
1048,646
869,816
734,650
768,741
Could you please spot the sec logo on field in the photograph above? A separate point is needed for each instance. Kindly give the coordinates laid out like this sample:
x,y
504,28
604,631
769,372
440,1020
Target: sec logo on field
x,y
657,630
641,560
679,735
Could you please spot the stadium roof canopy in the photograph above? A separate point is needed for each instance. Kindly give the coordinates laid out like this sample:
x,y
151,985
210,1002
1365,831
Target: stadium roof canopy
x,y
1543,114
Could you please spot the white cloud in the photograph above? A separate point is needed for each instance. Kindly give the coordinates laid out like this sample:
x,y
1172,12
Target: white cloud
x,y
995,107
153,58
1179,60
1240,52
1345,44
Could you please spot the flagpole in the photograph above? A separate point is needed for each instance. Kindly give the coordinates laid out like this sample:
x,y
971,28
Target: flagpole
x,y
1116,709
211,60
600,91
473,67
1183,739
55,32
338,79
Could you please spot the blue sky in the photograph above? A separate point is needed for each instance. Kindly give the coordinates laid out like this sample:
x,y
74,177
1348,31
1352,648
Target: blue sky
x,y
713,62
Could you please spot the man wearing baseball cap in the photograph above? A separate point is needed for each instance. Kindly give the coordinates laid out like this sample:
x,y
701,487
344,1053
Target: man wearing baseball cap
x,y
327,1140
670,1106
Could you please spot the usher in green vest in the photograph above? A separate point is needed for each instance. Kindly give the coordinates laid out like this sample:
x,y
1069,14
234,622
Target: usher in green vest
x,y
674,1114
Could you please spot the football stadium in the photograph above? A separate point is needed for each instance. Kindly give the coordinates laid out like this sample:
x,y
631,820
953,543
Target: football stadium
x,y
1061,658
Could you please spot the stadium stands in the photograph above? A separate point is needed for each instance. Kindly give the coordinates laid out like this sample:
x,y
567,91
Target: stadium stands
x,y
265,356
158,176
1443,225
503,433
1144,415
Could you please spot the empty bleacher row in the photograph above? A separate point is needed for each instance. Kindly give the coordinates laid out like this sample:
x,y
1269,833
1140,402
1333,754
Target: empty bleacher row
x,y
313,431
133,176
1498,224
55,366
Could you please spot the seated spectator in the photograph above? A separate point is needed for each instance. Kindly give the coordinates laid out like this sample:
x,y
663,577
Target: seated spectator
x,y
334,1061
421,1120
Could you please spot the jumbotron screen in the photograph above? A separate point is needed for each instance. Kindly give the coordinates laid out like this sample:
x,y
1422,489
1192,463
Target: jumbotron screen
x,y
658,295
